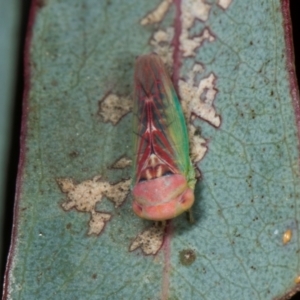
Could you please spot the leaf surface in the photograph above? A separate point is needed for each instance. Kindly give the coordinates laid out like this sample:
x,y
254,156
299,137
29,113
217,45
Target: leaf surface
x,y
75,233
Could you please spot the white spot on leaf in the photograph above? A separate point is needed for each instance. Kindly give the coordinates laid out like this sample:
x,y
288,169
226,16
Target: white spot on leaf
x,y
199,100
97,222
113,108
162,45
189,45
85,195
82,196
224,3
157,14
197,144
122,163
192,10
118,192
150,240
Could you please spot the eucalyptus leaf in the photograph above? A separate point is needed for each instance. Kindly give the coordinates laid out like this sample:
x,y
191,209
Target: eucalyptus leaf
x,y
75,235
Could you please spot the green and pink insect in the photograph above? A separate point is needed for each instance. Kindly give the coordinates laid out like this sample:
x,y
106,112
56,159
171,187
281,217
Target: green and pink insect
x,y
163,175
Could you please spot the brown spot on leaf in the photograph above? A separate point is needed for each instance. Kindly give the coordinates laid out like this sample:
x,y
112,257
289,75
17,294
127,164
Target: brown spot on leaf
x,y
73,154
187,257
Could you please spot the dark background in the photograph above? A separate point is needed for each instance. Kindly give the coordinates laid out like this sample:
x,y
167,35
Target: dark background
x,y
14,149
295,16
17,110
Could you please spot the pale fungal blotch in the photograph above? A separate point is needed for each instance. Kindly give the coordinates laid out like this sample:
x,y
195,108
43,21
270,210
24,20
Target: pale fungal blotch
x,y
198,100
150,240
112,108
118,192
157,14
287,236
197,144
162,45
82,196
224,3
85,195
189,45
192,10
97,222
122,163
197,69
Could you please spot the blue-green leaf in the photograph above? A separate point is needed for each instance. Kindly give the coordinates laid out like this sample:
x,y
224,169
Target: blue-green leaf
x,y
75,234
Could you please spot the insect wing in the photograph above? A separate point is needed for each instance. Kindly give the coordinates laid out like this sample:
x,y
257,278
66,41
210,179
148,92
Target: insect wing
x,y
159,126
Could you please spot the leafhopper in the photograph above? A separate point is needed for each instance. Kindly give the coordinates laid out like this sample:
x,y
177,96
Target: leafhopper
x,y
163,175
